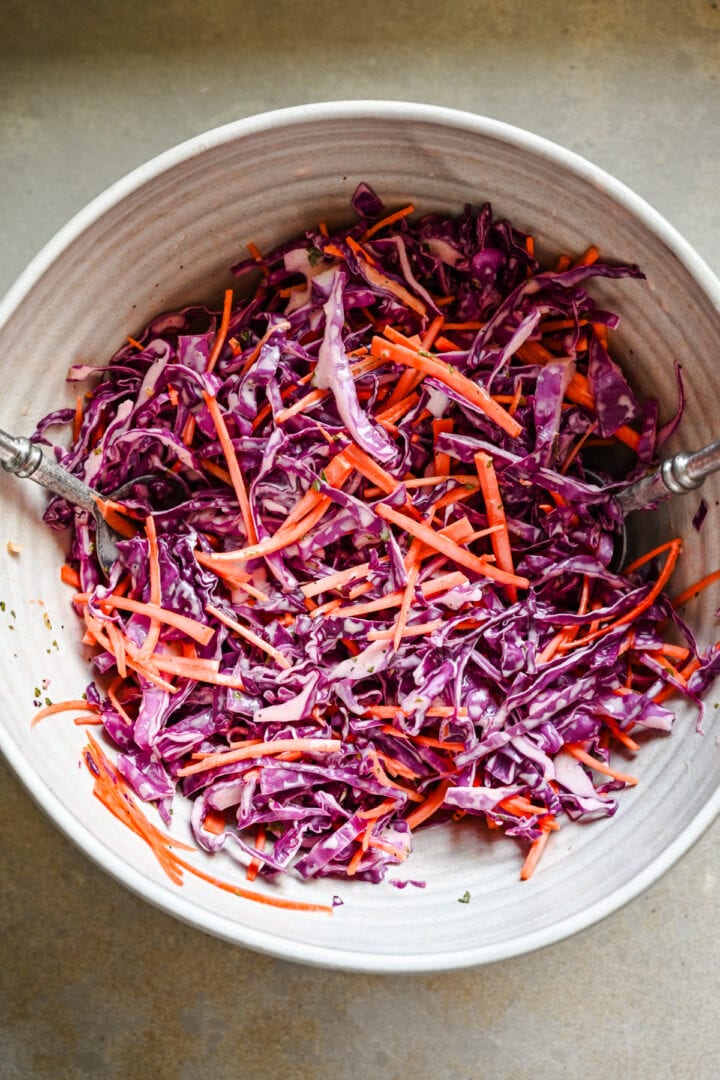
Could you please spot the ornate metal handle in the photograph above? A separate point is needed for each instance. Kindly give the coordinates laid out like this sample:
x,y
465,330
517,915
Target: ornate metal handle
x,y
679,474
26,459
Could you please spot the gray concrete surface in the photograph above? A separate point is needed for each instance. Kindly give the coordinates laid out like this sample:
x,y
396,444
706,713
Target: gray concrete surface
x,y
93,982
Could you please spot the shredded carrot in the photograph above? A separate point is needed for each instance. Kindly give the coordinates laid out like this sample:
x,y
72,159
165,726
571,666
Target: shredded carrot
x,y
62,706
427,808
222,331
233,466
496,516
216,471
69,576
214,822
255,252
196,630
450,377
256,863
389,220
276,746
111,789
135,344
694,590
591,256
576,751
249,635
536,849
449,548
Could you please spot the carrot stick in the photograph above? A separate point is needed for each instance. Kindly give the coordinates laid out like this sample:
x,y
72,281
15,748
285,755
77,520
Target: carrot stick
x,y
577,752
416,630
450,377
276,746
256,863
222,331
389,220
334,581
496,516
70,576
673,547
430,335
591,256
694,590
249,635
536,849
449,548
427,808
196,630
233,465
62,706
375,473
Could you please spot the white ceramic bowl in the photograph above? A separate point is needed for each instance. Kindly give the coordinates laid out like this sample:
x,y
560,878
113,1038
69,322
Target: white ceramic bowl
x,y
165,235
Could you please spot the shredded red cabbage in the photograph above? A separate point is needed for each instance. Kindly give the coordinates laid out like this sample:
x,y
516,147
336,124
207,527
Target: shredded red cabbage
x,y
508,700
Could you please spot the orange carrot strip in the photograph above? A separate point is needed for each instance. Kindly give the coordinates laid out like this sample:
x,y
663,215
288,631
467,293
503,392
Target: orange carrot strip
x,y
450,377
668,691
62,706
591,256
283,538
618,733
577,752
430,335
441,461
533,856
256,863
427,808
196,630
216,470
115,520
449,548
416,630
496,516
413,572
214,822
249,635
673,547
77,422
110,788
397,768
378,811
375,473
389,220
276,746
222,331
334,581
694,590
382,778
70,576
428,588
233,465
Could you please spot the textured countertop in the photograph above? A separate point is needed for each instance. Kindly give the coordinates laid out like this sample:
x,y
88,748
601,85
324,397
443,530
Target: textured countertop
x,y
93,981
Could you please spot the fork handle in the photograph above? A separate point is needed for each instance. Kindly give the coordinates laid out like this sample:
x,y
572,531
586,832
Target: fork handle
x,y
25,459
684,472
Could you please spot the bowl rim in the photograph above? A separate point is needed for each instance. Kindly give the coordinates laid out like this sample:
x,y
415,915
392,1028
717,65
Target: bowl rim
x,y
220,926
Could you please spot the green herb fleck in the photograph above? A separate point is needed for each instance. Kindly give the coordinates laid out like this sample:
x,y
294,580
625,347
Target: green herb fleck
x,y
465,898
48,701
314,256
385,535
2,605
37,691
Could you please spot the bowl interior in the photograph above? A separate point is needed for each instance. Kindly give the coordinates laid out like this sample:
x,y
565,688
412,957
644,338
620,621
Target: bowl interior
x,y
165,237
